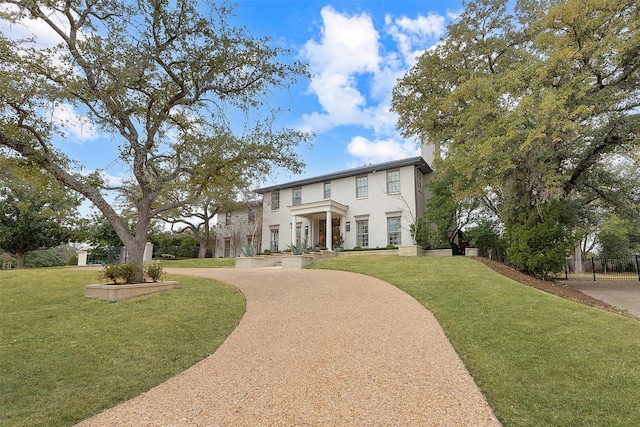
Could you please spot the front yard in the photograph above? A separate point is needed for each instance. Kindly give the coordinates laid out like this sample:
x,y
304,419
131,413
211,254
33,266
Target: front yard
x,y
64,357
541,360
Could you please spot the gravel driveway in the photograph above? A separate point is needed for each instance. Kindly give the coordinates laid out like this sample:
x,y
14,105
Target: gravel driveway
x,y
317,348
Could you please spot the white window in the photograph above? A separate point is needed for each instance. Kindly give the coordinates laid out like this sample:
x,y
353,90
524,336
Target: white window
x,y
327,190
251,216
393,231
362,184
298,234
275,239
227,219
393,182
419,182
362,233
227,247
297,196
275,200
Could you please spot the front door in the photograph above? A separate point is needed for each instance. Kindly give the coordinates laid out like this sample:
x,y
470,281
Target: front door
x,y
336,238
322,232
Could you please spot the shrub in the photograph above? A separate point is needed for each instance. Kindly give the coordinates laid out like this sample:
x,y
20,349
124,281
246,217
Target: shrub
x,y
73,260
44,258
266,252
111,272
153,271
125,271
128,271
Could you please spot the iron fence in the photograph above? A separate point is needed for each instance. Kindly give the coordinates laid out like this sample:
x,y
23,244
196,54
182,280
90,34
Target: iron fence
x,y
604,269
107,256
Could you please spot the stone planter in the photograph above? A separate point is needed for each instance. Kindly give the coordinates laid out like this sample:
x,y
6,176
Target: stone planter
x,y
413,250
296,261
119,292
258,261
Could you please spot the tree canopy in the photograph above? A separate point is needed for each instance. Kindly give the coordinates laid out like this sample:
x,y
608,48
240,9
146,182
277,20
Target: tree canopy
x,y
536,107
160,78
36,212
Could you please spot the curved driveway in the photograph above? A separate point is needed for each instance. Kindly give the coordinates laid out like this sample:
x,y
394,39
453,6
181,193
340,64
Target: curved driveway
x,y
317,348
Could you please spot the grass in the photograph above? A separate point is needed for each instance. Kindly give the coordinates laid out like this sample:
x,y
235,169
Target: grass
x,y
199,263
605,277
64,357
540,360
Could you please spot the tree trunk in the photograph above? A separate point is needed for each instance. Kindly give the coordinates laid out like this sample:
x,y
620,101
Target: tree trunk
x,y
20,257
202,251
577,256
135,256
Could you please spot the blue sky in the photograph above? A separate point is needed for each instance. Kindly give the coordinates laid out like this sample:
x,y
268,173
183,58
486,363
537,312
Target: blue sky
x,y
356,50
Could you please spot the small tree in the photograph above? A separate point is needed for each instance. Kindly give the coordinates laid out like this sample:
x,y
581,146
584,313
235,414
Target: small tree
x,y
35,212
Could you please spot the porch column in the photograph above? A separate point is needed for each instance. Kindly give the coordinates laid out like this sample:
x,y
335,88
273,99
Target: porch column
x,y
328,239
294,222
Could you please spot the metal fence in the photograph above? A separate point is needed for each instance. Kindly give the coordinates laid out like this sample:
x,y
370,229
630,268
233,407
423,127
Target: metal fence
x,y
604,269
107,256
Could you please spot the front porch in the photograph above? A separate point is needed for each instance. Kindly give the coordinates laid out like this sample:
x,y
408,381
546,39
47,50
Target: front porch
x,y
319,224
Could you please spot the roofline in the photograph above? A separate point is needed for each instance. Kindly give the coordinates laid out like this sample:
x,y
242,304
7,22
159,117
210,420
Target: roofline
x,y
418,161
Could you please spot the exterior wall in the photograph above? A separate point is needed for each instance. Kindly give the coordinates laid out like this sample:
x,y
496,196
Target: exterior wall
x,y
238,232
377,206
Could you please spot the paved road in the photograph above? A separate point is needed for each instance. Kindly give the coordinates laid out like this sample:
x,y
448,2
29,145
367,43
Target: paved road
x,y
317,348
624,295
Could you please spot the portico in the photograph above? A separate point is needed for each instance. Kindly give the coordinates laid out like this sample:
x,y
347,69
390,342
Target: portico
x,y
323,222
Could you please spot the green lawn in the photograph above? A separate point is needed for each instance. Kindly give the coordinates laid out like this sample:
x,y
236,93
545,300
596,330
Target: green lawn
x,y
199,263
540,360
64,357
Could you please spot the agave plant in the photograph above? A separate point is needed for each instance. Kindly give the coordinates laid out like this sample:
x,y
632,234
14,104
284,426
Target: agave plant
x,y
298,248
248,250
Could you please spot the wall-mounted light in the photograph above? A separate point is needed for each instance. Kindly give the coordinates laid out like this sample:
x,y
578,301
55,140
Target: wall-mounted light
x,y
306,230
348,225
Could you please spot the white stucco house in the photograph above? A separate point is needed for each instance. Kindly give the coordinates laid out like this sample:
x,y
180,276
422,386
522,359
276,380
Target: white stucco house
x,y
370,206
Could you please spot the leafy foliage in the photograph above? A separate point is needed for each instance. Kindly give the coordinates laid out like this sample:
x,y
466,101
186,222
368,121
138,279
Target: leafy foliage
x,y
35,212
153,271
125,271
535,107
162,79
538,242
487,237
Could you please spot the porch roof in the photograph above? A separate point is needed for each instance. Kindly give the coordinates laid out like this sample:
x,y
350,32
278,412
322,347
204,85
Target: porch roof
x,y
318,208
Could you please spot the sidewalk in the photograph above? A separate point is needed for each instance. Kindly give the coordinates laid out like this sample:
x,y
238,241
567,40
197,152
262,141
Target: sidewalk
x,y
317,348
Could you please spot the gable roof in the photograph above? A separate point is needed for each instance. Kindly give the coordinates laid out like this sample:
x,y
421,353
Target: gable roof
x,y
418,162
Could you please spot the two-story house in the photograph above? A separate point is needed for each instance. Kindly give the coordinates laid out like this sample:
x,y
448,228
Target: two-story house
x,y
370,206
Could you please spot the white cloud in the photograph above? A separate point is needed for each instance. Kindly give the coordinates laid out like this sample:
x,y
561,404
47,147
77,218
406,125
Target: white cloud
x,y
349,44
78,126
354,71
348,50
381,150
27,28
413,36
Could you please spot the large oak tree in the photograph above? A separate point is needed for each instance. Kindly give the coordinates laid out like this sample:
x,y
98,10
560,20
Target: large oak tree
x,y
535,105
155,75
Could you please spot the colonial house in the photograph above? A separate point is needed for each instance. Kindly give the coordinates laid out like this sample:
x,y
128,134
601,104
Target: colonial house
x,y
369,207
